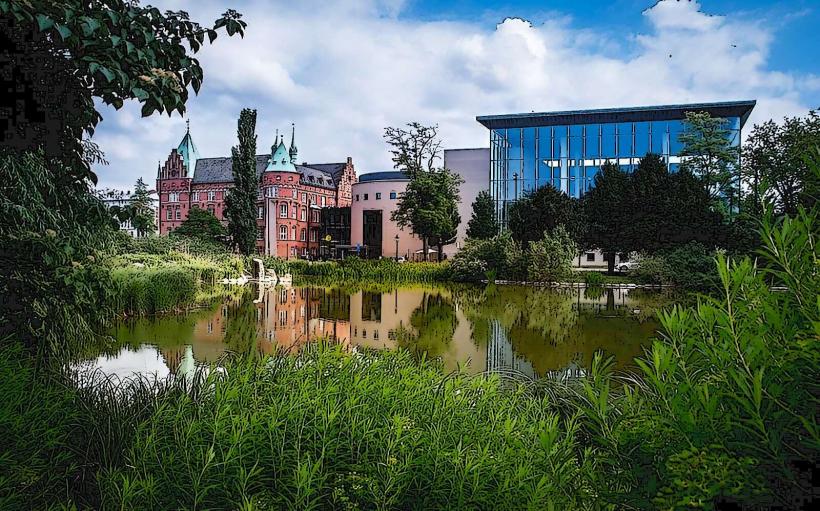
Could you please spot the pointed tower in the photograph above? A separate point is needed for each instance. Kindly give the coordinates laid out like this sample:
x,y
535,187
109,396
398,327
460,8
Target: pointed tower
x,y
187,149
280,160
294,152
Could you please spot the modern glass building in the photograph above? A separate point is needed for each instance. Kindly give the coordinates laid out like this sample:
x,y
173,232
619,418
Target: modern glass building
x,y
567,149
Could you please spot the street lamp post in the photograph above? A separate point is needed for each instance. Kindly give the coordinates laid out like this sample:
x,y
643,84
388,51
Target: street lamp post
x,y
397,247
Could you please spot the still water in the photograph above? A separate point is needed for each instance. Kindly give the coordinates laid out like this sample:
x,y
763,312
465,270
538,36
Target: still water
x,y
529,331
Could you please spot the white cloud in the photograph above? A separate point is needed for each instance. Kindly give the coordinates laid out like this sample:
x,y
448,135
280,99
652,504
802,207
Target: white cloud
x,y
345,71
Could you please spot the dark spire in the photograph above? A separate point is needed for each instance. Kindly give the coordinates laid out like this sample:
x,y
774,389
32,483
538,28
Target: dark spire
x,y
294,152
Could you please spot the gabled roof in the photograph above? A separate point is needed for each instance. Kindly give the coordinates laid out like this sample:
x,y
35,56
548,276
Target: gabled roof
x,y
741,109
220,170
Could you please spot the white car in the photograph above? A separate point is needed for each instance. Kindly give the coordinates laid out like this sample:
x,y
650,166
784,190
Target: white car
x,y
627,266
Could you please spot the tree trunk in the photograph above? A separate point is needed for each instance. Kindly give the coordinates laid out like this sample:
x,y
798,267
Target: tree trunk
x,y
424,248
440,251
610,262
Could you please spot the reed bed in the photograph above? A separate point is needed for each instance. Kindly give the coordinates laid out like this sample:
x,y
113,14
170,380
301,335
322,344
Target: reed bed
x,y
355,269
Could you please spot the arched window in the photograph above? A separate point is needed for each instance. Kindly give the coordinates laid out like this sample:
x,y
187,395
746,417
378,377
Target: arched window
x,y
283,232
303,234
283,210
294,233
303,214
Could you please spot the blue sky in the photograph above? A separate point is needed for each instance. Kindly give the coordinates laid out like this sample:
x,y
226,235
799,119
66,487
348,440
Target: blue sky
x,y
343,70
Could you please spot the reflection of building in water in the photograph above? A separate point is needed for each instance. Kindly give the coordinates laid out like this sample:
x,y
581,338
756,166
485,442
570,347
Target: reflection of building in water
x,y
180,360
500,354
287,317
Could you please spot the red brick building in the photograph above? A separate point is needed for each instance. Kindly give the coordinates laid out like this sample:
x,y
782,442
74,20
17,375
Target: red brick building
x,y
289,201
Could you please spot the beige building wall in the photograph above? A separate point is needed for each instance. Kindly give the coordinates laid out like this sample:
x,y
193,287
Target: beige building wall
x,y
365,195
473,165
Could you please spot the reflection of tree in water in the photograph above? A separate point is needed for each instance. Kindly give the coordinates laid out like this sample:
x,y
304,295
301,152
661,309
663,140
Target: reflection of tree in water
x,y
241,328
552,328
433,324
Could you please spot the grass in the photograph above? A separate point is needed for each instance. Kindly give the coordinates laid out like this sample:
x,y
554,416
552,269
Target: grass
x,y
355,269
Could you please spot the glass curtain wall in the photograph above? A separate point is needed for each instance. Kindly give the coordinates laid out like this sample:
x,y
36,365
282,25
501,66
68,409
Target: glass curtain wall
x,y
569,156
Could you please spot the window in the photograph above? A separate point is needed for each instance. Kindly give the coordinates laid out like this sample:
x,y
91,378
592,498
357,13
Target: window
x,y
290,178
212,195
375,335
590,257
179,214
173,197
293,237
357,197
314,234
303,214
260,212
378,195
304,197
283,210
364,334
393,195
294,212
303,235
211,210
195,196
324,201
260,233
169,214
365,196
283,232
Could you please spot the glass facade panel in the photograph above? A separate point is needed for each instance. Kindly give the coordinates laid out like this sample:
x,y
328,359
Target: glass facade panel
x,y
569,156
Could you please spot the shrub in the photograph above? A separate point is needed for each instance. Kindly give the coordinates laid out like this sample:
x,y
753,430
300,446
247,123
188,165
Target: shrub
x,y
593,278
690,266
550,259
500,254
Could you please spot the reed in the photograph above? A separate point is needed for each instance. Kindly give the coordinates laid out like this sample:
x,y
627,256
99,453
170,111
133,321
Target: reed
x,y
355,269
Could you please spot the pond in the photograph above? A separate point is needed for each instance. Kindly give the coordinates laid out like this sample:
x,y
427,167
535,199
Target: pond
x,y
531,332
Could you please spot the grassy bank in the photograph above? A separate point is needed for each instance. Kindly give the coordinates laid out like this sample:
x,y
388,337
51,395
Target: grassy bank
x,y
355,269
151,283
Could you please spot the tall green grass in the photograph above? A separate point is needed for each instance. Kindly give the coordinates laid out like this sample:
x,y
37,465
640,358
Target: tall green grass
x,y
354,268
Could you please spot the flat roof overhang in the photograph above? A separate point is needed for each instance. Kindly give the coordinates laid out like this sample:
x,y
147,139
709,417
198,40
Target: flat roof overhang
x,y
740,109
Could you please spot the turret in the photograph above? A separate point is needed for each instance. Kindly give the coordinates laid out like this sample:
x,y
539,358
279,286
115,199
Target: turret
x,y
280,160
187,149
294,152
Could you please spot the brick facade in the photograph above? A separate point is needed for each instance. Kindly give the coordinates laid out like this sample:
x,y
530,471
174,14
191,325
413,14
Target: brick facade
x,y
289,201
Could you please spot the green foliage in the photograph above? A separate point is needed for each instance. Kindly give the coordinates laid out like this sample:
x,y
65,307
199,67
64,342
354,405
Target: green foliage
x,y
354,268
112,50
141,210
593,278
147,291
500,256
542,210
429,205
689,266
606,218
201,224
550,259
709,154
51,234
240,204
775,167
483,224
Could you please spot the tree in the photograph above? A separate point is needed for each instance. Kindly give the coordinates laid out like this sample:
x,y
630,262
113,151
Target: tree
x,y
483,224
542,210
70,52
708,153
141,210
201,224
240,204
429,205
775,167
415,149
605,214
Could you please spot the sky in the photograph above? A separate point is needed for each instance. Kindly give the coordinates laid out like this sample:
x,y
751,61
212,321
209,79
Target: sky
x,y
343,71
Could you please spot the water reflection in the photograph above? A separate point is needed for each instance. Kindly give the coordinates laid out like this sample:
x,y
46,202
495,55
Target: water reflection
x,y
536,332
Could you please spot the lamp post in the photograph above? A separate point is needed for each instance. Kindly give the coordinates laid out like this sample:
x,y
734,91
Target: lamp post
x,y
397,247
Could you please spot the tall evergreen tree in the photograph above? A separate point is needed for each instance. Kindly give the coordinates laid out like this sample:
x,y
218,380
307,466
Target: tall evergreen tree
x,y
240,204
483,225
540,211
708,153
606,217
142,210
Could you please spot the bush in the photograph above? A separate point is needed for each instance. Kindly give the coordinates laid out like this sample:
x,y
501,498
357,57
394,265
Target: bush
x,y
500,255
550,259
593,278
690,266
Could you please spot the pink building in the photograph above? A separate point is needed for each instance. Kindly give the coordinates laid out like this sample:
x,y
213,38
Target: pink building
x,y
288,204
375,197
